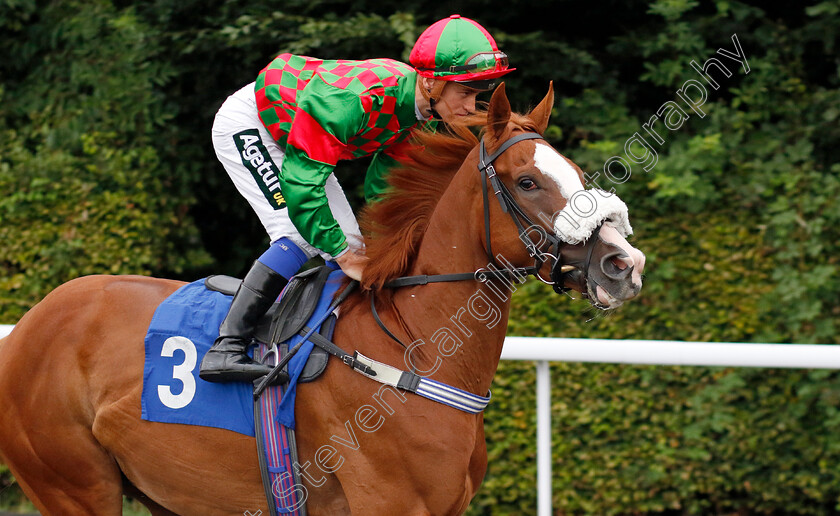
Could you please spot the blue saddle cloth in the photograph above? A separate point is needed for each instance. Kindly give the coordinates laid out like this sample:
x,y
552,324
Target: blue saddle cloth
x,y
183,328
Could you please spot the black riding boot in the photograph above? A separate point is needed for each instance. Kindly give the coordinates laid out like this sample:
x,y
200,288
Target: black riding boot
x,y
227,360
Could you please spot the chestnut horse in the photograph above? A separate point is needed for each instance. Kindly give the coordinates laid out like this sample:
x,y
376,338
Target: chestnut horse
x,y
71,372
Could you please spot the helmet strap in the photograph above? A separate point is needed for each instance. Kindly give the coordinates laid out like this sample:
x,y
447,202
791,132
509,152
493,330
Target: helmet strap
x,y
435,114
432,95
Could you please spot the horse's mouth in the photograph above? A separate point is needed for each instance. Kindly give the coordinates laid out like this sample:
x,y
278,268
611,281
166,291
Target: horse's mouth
x,y
600,298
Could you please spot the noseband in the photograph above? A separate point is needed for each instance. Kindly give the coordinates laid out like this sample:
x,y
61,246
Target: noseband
x,y
547,250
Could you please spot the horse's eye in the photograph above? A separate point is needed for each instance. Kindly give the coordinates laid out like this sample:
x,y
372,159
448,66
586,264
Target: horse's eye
x,y
526,183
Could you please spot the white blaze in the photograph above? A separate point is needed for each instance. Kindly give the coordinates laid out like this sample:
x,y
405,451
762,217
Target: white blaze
x,y
585,209
552,165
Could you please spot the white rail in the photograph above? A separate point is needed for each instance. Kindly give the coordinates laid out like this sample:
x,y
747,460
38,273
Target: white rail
x,y
667,352
648,352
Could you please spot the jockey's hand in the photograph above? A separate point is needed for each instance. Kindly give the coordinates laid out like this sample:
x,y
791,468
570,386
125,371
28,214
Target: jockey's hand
x,y
352,263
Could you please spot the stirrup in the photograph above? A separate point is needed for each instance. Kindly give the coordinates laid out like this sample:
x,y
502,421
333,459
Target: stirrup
x,y
230,366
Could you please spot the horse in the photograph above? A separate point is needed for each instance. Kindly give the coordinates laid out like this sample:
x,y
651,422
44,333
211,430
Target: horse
x,y
71,371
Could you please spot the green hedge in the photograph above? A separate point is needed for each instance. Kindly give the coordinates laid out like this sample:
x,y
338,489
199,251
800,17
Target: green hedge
x,y
84,187
667,440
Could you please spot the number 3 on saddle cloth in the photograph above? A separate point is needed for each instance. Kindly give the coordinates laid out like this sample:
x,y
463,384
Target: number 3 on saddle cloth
x,y
184,327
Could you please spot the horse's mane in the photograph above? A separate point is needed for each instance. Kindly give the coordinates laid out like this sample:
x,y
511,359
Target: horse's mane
x,y
394,225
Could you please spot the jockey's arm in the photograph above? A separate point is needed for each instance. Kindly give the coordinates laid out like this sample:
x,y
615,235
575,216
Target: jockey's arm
x,y
377,175
326,118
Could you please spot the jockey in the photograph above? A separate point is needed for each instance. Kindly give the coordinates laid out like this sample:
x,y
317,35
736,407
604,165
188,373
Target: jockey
x,y
280,138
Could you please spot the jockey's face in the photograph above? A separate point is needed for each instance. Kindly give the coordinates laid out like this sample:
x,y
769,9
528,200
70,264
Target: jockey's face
x,y
456,100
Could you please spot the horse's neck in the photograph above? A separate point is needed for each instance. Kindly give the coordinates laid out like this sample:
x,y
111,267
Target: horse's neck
x,y
462,323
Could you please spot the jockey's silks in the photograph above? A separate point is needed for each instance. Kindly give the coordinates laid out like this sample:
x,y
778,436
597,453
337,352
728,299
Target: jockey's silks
x,y
326,111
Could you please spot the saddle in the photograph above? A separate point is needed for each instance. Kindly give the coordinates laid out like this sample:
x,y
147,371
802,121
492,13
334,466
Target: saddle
x,y
289,315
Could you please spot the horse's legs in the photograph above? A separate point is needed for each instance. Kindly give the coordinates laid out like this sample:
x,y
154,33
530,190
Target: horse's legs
x,y
84,481
46,412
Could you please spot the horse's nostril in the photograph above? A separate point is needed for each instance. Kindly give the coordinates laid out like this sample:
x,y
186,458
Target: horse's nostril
x,y
619,262
611,266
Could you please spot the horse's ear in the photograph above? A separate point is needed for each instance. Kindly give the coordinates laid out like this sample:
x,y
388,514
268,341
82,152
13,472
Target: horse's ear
x,y
498,113
542,112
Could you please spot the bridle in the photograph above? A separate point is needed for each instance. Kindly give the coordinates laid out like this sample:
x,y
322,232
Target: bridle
x,y
523,223
547,250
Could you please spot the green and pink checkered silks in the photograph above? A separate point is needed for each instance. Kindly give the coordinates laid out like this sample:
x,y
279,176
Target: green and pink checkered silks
x,y
324,111
323,96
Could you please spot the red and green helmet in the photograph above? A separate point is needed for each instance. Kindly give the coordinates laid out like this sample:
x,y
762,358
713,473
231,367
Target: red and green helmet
x,y
459,49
